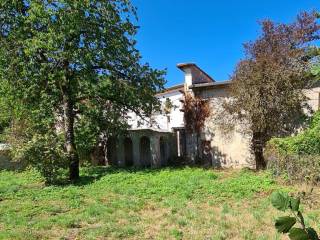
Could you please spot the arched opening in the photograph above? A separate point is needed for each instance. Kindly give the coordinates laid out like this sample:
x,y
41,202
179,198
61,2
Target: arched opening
x,y
112,151
128,152
163,151
145,152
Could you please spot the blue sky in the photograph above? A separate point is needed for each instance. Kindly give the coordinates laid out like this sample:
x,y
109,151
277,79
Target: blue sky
x,y
207,32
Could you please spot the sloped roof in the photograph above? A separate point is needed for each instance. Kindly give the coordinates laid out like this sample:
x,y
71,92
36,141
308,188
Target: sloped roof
x,y
194,67
174,88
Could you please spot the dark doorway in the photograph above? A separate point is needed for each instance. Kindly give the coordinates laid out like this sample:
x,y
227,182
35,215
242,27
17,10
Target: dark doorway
x,y
145,152
128,152
112,151
163,151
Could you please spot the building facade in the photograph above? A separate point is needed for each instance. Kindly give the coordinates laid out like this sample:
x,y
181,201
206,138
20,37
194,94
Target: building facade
x,y
162,138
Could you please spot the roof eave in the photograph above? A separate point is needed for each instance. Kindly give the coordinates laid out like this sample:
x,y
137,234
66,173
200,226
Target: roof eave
x,y
211,85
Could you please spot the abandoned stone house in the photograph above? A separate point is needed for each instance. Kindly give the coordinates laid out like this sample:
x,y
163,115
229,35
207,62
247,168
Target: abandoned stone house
x,y
153,142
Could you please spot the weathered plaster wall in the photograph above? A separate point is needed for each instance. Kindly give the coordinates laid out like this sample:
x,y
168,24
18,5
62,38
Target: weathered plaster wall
x,y
224,148
232,148
313,95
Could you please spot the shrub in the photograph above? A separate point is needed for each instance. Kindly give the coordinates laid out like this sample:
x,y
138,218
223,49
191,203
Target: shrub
x,y
45,153
306,142
285,224
297,157
301,168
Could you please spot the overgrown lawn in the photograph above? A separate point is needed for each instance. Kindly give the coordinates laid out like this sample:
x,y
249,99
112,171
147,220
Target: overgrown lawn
x,y
186,203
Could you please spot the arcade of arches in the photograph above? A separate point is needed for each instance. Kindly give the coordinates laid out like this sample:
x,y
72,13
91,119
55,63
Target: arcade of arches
x,y
141,148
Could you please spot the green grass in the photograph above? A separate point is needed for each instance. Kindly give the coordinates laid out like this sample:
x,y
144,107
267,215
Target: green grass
x,y
186,203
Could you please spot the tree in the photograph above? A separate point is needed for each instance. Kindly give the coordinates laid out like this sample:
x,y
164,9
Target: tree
x,y
168,106
267,86
69,64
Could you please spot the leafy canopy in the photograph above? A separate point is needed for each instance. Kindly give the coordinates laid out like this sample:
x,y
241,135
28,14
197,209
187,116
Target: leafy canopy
x,y
79,53
306,142
267,86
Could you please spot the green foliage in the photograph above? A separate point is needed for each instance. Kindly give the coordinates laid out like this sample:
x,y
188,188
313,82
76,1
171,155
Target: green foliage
x,y
306,142
284,224
284,202
280,201
314,52
301,168
71,66
110,203
4,122
46,154
267,86
299,234
167,106
297,156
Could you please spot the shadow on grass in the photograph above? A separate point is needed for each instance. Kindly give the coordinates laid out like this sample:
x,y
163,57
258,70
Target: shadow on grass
x,y
91,174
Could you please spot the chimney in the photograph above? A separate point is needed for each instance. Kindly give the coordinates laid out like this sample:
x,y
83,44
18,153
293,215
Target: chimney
x,y
193,75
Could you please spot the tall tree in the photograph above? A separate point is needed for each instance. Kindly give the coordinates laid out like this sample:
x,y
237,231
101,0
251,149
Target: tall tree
x,y
267,86
64,58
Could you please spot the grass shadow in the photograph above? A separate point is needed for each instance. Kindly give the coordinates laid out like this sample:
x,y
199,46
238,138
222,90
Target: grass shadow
x,y
92,174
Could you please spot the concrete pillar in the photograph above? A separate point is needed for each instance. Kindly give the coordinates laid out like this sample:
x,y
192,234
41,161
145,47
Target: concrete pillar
x,y
191,147
178,143
165,149
120,152
136,150
168,151
155,151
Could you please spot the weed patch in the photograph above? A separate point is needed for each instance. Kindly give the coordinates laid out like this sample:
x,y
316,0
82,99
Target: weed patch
x,y
185,203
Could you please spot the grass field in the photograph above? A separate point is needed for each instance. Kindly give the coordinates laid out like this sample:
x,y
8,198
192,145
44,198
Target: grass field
x,y
186,203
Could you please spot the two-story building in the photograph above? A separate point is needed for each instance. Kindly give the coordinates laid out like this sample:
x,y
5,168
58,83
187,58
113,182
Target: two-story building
x,y
153,142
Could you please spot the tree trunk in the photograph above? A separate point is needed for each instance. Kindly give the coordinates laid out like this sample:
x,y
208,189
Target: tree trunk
x,y
98,156
72,154
257,147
